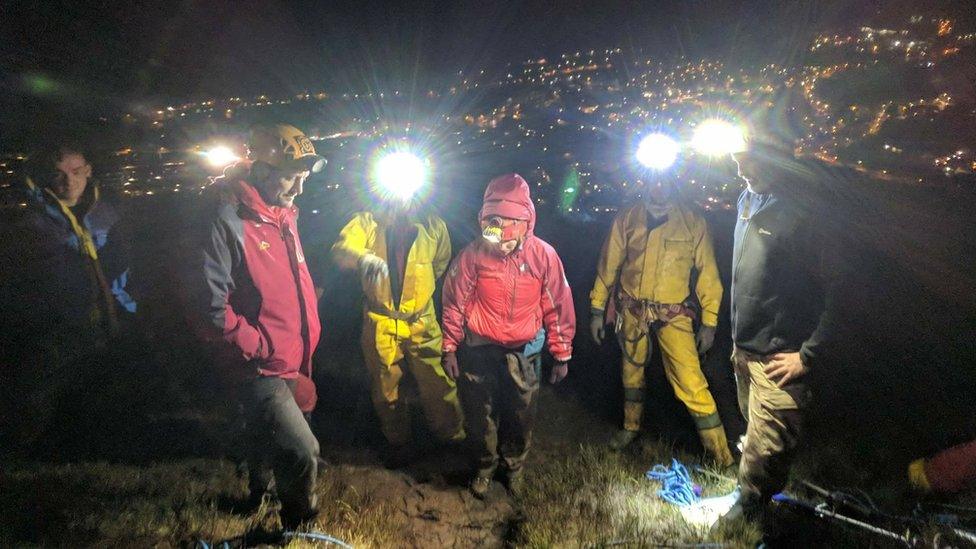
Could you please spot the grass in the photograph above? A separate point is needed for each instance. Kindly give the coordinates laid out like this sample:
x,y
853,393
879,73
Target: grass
x,y
599,498
577,494
589,497
164,505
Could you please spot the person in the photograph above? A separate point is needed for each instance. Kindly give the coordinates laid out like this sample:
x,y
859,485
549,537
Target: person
x,y
783,311
498,294
65,290
400,251
258,303
648,261
72,234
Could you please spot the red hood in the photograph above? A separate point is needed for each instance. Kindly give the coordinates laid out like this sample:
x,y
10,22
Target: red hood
x,y
508,196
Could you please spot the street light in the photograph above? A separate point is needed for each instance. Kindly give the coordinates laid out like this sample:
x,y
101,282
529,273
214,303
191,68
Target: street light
x,y
657,151
220,156
400,174
716,137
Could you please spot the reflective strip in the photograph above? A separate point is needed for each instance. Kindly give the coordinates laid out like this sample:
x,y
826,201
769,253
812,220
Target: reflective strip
x,y
559,330
710,421
634,395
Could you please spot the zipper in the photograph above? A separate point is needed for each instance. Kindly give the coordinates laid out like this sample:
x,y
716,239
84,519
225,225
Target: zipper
x,y
511,310
288,238
738,259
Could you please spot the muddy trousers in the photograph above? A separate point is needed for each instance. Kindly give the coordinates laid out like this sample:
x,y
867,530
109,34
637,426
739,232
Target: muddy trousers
x,y
499,389
390,347
684,373
775,426
280,445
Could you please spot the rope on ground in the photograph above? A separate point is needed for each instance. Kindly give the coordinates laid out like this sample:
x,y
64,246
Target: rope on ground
x,y
317,536
287,534
677,487
643,543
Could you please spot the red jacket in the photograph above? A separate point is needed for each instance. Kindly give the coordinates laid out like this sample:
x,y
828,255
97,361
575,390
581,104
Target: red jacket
x,y
257,290
507,299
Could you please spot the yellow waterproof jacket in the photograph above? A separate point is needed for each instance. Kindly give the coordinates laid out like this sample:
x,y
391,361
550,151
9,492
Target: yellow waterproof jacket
x,y
427,260
656,265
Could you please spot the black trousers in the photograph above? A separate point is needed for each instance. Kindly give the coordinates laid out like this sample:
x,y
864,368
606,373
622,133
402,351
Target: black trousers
x,y
281,448
498,389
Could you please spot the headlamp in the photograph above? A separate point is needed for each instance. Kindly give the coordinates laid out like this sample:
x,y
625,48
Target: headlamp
x,y
497,229
220,156
400,175
716,137
657,151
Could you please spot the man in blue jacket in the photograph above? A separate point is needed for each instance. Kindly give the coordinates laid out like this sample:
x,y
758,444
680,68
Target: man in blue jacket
x,y
65,290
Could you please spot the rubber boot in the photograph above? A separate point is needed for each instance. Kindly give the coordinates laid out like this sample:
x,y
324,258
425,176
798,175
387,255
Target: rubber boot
x,y
717,446
621,439
515,482
479,486
633,413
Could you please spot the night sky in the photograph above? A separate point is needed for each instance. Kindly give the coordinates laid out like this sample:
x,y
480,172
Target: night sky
x,y
68,57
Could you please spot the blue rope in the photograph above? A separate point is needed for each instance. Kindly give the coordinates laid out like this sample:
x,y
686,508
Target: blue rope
x,y
677,487
315,536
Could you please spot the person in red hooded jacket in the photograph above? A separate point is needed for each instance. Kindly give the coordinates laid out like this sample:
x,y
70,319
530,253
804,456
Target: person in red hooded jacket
x,y
252,287
499,294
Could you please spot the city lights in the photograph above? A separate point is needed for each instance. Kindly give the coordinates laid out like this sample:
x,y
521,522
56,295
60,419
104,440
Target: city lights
x,y
716,137
220,156
657,151
400,174
556,107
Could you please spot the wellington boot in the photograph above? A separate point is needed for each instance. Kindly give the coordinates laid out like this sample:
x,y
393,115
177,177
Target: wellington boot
x,y
621,439
479,486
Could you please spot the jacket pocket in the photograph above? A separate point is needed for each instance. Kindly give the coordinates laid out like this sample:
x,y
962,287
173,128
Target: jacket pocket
x,y
267,349
678,258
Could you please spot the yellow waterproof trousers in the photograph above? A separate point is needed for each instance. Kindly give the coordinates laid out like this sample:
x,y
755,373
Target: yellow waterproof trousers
x,y
389,345
683,370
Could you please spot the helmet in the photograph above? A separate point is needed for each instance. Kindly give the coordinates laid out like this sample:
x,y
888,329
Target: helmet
x,y
284,147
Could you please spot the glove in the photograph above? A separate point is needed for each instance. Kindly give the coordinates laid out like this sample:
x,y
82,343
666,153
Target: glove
x,y
598,329
373,269
705,338
559,372
450,365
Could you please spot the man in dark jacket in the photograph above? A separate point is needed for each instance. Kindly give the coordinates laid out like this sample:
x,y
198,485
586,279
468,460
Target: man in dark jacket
x,y
66,251
781,308
254,289
64,293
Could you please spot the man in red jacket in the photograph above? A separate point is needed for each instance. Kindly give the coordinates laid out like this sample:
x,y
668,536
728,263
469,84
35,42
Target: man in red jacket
x,y
253,285
498,294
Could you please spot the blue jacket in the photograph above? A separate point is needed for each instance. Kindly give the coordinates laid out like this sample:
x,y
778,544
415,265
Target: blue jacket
x,y
68,270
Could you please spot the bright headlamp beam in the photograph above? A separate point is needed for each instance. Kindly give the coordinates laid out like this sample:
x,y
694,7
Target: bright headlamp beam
x,y
657,151
401,174
220,156
717,138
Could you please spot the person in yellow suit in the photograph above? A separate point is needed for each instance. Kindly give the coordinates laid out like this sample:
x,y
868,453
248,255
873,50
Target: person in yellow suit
x,y
647,260
400,252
